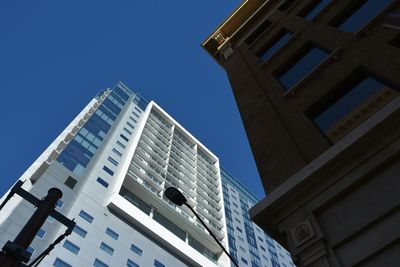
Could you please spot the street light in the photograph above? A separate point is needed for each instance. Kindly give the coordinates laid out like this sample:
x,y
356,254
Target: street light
x,y
179,199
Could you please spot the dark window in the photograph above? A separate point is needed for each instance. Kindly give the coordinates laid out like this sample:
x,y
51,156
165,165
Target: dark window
x,y
41,233
136,249
260,29
106,248
70,182
131,263
102,182
71,247
60,263
107,170
358,93
112,233
113,161
158,264
274,45
124,137
304,63
312,9
117,152
359,14
99,263
80,231
86,216
285,5
244,260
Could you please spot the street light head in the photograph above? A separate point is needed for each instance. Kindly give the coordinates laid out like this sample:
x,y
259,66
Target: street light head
x,y
175,196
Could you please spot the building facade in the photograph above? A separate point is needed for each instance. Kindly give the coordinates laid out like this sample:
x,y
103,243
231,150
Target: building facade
x,y
112,164
317,85
248,243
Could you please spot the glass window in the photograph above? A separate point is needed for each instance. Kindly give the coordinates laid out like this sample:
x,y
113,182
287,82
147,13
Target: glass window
x,y
113,161
102,182
59,204
136,249
274,45
112,233
50,219
348,102
158,264
80,231
106,248
314,8
124,137
108,170
41,233
86,216
99,263
359,16
244,260
130,124
60,263
127,131
301,67
31,250
71,247
70,182
240,230
131,263
119,154
121,145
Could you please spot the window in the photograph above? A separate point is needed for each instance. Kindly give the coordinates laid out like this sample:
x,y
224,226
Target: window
x,y
311,10
119,154
130,124
124,137
60,263
113,161
127,131
261,29
99,263
136,250
106,248
307,60
71,247
244,260
138,110
50,219
121,145
108,170
240,230
360,13
80,231
31,250
262,248
348,101
86,216
41,233
59,204
274,45
112,234
131,263
158,264
102,182
70,182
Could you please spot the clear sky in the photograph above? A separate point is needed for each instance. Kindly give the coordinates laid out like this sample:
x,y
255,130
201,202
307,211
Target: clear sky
x,y
55,55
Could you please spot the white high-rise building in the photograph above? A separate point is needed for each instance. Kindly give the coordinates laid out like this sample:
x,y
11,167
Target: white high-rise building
x,y
113,163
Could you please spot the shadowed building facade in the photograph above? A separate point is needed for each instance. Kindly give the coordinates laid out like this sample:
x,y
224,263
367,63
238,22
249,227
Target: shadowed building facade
x,y
317,85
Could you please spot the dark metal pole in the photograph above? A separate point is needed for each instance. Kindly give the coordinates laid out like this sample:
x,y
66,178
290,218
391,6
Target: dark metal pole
x,y
211,233
11,257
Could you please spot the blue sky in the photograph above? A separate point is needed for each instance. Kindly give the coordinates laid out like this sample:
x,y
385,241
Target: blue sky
x,y
56,55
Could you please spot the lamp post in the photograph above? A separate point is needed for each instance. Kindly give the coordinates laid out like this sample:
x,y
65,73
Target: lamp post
x,y
179,199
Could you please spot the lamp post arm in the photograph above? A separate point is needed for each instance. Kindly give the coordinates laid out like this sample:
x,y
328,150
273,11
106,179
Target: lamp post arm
x,y
211,233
